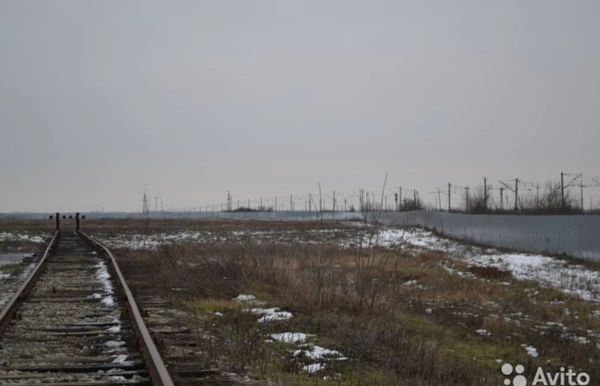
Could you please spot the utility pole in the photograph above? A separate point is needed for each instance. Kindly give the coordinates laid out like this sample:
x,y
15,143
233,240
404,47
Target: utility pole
x,y
515,190
582,195
399,198
516,194
449,197
309,202
334,201
438,198
360,200
502,197
145,208
563,186
485,193
320,201
562,189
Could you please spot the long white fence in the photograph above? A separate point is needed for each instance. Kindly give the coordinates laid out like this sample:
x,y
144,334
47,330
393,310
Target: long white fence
x,y
573,235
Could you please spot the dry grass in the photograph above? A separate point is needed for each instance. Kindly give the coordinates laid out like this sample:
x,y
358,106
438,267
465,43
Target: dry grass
x,y
41,228
40,225
401,318
212,225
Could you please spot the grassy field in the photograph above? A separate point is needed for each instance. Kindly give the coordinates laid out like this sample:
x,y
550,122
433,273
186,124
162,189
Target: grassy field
x,y
393,314
397,314
23,235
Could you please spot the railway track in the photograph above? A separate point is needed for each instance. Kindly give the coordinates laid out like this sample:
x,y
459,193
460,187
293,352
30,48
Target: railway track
x,y
74,321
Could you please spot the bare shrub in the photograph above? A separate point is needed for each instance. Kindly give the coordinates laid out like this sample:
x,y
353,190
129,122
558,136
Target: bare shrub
x,y
550,201
477,201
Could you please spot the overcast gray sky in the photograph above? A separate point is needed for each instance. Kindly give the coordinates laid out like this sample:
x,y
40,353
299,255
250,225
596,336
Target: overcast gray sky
x,y
101,100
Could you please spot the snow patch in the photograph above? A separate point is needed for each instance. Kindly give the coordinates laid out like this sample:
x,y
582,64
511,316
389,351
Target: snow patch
x,y
532,351
291,337
270,314
120,359
550,272
109,301
115,329
571,279
104,277
245,298
8,236
313,368
318,353
114,343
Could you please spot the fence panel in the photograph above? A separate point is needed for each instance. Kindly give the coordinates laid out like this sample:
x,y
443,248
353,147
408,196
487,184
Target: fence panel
x,y
574,235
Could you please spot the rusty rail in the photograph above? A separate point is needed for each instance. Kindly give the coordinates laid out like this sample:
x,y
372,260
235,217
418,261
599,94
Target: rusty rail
x,y
8,312
156,367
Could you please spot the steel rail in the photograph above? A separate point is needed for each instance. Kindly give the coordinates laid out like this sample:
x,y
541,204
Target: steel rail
x,y
157,369
9,310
